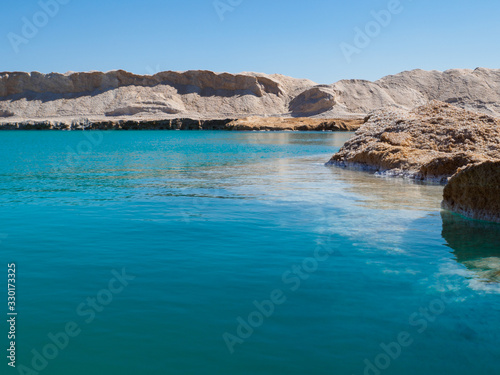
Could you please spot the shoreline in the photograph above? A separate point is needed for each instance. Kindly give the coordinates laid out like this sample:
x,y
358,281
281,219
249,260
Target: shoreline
x,y
242,124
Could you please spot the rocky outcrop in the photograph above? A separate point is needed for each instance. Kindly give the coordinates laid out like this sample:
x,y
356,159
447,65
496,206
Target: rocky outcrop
x,y
430,142
209,95
245,124
474,191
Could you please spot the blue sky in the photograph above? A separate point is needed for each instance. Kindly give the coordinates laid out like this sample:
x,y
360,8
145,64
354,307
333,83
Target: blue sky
x,y
297,38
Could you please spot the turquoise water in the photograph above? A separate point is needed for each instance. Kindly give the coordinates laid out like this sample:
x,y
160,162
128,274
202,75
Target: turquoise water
x,y
341,264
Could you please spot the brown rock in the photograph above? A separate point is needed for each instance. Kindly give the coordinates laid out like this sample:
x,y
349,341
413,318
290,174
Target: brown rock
x,y
294,124
474,191
429,142
396,139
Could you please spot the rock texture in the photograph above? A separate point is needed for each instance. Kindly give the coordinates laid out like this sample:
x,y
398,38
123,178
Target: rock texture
x,y
295,124
120,95
474,191
430,142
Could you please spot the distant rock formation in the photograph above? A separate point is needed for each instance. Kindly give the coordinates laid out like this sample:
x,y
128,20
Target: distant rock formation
x,y
476,90
430,142
208,95
193,94
474,192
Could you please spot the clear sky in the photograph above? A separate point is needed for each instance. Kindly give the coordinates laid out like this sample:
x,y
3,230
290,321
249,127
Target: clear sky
x,y
313,39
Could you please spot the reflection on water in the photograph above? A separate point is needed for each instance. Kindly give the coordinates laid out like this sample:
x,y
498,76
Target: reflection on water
x,y
389,193
476,244
335,140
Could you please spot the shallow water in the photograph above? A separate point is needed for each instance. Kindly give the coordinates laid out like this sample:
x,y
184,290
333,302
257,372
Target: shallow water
x,y
213,225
